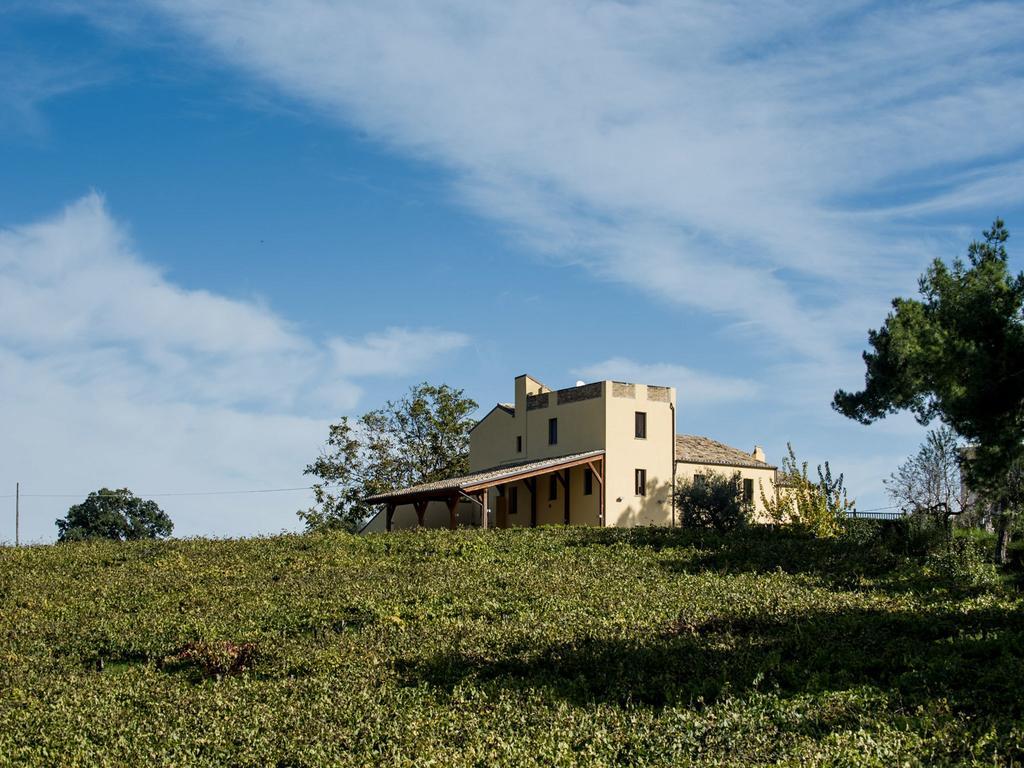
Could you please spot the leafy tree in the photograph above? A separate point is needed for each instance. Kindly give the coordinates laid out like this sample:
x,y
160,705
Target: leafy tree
x,y
420,438
957,353
118,515
821,507
713,500
928,484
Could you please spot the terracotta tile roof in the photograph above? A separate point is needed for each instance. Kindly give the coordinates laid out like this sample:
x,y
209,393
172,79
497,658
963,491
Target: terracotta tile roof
x,y
695,449
490,475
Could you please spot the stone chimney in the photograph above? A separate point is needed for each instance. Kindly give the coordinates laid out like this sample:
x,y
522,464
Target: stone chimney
x,y
758,454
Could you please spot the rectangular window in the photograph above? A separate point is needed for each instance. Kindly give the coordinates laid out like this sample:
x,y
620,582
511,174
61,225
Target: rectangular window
x,y
513,499
552,431
748,490
588,481
641,425
553,488
519,443
641,482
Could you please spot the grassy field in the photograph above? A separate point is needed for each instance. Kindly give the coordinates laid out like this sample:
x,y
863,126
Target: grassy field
x,y
546,647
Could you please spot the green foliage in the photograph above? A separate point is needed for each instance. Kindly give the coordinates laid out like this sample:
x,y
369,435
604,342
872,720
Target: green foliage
x,y
118,515
713,500
929,482
418,439
820,508
957,353
963,562
561,647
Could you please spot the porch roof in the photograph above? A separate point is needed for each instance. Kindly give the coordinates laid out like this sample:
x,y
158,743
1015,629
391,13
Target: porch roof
x,y
483,479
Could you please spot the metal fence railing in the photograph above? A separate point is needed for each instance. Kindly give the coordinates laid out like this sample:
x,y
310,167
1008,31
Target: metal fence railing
x,y
875,515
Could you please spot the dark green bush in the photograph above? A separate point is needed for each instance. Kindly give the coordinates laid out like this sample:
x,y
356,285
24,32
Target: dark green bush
x,y
713,501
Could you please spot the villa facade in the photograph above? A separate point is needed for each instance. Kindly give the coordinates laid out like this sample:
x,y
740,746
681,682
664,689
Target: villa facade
x,y
602,454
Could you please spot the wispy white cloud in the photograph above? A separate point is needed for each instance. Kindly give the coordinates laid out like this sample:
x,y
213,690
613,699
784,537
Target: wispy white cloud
x,y
28,82
394,352
695,388
700,151
112,374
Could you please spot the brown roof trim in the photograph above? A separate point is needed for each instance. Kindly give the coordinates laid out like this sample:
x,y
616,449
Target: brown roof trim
x,y
746,465
440,490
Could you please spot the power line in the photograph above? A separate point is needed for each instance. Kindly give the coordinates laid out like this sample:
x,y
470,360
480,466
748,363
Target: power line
x,y
876,509
163,493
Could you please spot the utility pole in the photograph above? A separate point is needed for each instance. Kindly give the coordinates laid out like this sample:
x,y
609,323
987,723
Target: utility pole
x,y
17,512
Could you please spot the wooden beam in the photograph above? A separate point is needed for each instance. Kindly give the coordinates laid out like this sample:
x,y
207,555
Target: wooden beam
x,y
565,489
483,509
390,516
531,485
453,504
517,476
594,470
421,508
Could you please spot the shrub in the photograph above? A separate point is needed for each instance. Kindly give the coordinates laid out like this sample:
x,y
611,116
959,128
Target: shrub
x,y
713,500
819,508
964,562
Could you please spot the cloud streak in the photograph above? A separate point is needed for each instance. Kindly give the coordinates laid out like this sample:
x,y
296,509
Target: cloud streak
x,y
711,154
114,375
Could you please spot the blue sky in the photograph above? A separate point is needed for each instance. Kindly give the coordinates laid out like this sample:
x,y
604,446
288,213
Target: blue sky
x,y
224,224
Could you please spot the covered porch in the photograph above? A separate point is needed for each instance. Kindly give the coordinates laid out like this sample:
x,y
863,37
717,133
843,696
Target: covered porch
x,y
505,480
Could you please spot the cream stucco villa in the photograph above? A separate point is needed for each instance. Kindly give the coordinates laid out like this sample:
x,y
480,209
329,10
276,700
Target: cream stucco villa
x,y
604,454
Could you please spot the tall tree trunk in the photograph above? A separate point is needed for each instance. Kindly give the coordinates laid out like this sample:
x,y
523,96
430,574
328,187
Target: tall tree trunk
x,y
1003,527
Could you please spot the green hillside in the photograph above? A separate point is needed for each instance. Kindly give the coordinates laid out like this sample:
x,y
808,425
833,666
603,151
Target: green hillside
x,y
546,647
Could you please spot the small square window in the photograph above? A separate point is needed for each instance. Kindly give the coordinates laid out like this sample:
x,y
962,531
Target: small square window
x,y
588,481
641,425
552,431
641,482
748,490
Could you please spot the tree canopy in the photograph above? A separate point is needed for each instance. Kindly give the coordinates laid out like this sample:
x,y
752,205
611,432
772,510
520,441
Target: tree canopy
x,y
420,438
114,514
956,353
929,482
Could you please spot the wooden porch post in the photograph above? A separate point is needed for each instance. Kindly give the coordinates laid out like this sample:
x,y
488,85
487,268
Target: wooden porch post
x,y
389,516
453,504
600,481
421,508
531,486
566,518
483,509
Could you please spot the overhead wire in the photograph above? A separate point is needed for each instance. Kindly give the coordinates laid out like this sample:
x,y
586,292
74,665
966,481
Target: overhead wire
x,y
156,495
